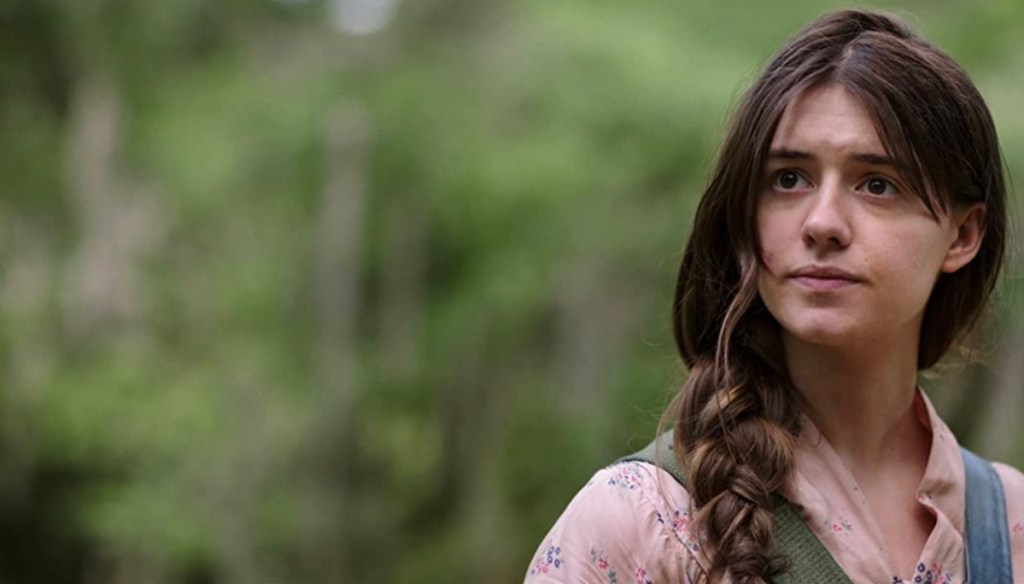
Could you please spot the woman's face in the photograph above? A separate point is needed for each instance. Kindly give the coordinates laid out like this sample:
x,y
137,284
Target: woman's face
x,y
851,254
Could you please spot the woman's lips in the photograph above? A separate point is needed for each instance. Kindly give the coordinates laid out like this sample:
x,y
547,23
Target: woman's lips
x,y
824,283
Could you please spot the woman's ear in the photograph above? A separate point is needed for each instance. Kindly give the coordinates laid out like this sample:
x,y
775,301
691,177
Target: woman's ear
x,y
970,230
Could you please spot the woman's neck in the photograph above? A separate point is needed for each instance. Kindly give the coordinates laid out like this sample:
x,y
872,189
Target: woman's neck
x,y
861,398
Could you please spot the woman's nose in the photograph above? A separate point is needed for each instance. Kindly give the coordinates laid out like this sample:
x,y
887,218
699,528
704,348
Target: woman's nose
x,y
827,224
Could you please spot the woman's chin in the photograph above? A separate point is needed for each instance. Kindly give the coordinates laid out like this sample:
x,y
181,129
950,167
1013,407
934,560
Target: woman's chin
x,y
827,333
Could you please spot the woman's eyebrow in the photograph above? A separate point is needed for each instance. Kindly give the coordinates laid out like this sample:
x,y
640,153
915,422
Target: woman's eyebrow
x,y
864,157
876,159
789,154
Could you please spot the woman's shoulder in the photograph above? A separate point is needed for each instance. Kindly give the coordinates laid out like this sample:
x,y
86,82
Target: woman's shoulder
x,y
1011,477
629,522
1013,493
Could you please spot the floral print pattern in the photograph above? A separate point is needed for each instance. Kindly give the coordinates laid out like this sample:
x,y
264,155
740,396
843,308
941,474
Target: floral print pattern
x,y
679,522
633,523
840,526
931,574
627,477
547,559
600,559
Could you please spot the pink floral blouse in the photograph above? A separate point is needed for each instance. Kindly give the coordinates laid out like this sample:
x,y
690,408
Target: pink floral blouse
x,y
630,522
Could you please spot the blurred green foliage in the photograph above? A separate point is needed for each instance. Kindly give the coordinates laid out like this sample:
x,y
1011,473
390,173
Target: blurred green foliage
x,y
286,303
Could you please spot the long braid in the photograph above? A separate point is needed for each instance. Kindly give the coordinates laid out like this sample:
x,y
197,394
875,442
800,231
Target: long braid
x,y
735,420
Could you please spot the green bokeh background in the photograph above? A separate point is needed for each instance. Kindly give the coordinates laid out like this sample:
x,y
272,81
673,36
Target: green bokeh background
x,y
365,290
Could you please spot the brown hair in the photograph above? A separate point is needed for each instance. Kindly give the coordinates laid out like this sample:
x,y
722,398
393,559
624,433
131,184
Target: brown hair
x,y
736,416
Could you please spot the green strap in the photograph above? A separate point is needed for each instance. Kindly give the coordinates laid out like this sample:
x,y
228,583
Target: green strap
x,y
810,562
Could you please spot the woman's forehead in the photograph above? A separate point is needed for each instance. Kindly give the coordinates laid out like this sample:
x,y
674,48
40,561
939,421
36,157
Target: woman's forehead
x,y
827,120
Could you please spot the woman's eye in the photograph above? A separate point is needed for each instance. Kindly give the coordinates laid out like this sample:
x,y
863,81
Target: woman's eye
x,y
788,180
879,186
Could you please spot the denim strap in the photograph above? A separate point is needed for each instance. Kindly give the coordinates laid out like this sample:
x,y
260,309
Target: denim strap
x,y
987,553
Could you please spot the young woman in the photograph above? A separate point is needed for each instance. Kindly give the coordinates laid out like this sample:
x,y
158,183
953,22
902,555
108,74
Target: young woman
x,y
851,232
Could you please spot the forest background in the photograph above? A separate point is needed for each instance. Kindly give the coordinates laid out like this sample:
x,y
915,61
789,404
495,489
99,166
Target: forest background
x,y
365,290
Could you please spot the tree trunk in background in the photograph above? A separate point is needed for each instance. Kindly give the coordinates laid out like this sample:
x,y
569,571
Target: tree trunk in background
x,y
400,307
402,288
240,479
26,291
460,417
999,433
596,317
484,516
329,519
120,223
473,413
952,386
